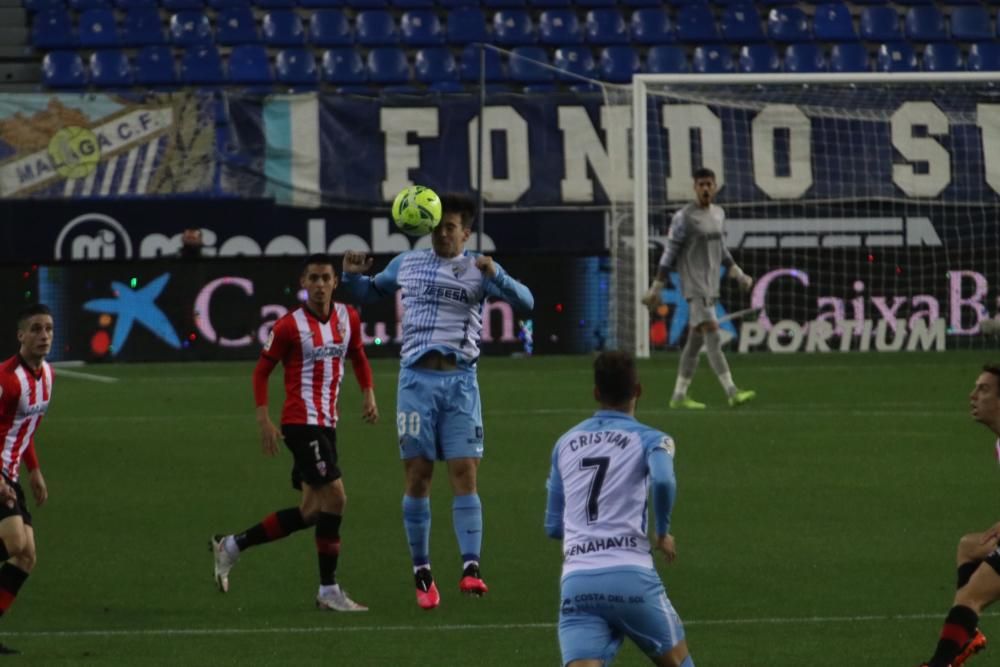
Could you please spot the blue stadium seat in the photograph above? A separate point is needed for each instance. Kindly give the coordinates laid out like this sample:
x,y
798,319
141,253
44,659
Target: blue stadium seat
x,y
455,4
190,29
154,66
320,4
110,69
466,25
574,60
435,65
83,5
696,24
412,4
367,4
849,57
142,26
832,22
513,27
971,24
804,58
34,6
274,4
667,60
524,68
249,65
915,2
788,24
219,5
925,24
98,29
421,27
128,5
202,66
594,4
63,69
181,5
53,29
503,4
296,68
642,3
375,27
550,4
388,65
606,26
468,66
712,59
896,57
559,26
343,66
880,24
740,24
942,57
283,27
984,57
617,64
236,25
651,25
759,59
871,2
330,27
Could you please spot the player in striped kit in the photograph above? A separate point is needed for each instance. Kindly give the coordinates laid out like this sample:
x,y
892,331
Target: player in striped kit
x,y
313,343
602,471
438,413
25,392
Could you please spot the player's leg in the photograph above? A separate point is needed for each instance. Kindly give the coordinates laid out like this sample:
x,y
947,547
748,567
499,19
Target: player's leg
x,y
417,523
331,499
716,357
970,553
18,552
688,364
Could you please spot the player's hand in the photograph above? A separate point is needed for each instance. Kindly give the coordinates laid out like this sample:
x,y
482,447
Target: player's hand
x,y
652,298
369,410
269,435
356,261
7,495
38,486
743,280
665,543
485,264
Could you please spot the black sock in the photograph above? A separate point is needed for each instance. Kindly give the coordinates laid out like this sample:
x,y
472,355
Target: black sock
x,y
965,571
328,546
272,527
959,627
11,579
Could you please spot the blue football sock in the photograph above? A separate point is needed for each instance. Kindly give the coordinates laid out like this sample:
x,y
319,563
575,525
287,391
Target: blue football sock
x,y
417,521
467,515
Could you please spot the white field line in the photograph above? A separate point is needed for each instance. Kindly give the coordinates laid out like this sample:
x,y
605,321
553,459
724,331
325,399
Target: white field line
x,y
66,373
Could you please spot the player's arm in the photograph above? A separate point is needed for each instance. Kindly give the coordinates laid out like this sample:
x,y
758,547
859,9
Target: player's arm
x,y
362,369
556,502
734,271
663,485
273,352
38,487
368,289
500,284
675,243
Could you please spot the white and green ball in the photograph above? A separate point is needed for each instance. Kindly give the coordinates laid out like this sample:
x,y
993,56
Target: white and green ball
x,y
417,210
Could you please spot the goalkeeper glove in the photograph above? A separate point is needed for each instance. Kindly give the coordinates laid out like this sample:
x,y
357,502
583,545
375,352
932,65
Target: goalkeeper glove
x,y
743,280
652,298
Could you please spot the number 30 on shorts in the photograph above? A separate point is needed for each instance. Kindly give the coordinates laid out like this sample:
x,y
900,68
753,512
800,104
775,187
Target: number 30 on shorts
x,y
408,423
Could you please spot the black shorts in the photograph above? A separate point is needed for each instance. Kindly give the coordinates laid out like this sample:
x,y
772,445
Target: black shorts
x,y
20,508
315,451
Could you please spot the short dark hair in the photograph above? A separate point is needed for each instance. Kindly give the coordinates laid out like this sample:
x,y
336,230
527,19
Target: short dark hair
x,y
30,311
994,369
317,258
464,205
615,377
703,172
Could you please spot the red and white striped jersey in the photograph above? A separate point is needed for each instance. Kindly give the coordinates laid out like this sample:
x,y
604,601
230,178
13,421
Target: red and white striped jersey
x,y
313,354
24,399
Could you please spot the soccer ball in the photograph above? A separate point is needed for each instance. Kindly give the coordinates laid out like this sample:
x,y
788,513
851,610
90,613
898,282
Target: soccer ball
x,y
417,210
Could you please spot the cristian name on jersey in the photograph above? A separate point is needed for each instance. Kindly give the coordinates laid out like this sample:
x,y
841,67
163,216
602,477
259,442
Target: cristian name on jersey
x,y
24,398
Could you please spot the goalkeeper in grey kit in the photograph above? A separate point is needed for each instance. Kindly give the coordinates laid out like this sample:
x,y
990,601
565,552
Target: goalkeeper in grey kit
x,y
697,249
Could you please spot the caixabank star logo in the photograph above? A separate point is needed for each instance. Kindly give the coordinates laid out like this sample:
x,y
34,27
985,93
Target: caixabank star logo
x,y
130,305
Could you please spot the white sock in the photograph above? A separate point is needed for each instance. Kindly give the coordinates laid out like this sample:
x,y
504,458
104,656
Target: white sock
x,y
726,380
229,544
681,387
470,562
329,590
417,568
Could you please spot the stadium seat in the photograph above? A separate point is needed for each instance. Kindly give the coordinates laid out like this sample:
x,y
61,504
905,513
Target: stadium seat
x,y
142,26
712,59
696,24
53,29
367,4
388,65
880,24
330,27
249,65
559,26
83,5
523,65
667,60
236,25
98,29
343,66
503,4
466,25
740,24
412,4
283,28
804,58
320,4
268,5
942,57
219,5
788,24
468,66
896,57
202,66
421,27
651,25
849,57
455,4
182,5
606,26
574,60
110,69
296,68
63,69
759,59
832,22
971,24
617,64
594,4
513,27
984,57
642,3
35,6
375,27
435,65
154,66
129,5
925,24
190,29
550,4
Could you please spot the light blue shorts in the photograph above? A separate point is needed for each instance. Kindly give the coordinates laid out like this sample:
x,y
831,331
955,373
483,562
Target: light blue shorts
x,y
601,607
438,414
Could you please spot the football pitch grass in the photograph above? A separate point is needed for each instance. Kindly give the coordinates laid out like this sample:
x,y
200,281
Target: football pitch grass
x,y
816,526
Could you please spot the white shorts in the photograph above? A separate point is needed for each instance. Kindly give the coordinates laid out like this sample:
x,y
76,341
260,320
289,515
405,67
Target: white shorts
x,y
702,309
